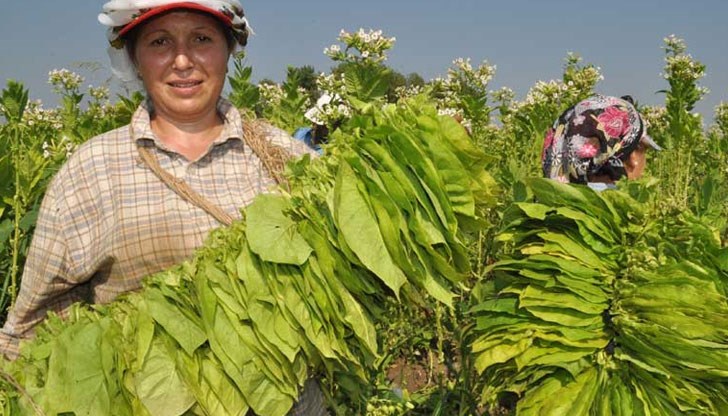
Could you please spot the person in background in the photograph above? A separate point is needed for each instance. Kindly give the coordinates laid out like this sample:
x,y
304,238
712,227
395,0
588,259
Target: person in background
x,y
318,133
597,142
120,208
313,136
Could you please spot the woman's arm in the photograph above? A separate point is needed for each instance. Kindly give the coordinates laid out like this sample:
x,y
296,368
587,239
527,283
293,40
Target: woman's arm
x,y
47,283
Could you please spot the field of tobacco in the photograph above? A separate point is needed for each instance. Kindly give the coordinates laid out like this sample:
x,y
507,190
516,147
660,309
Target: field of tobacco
x,y
419,267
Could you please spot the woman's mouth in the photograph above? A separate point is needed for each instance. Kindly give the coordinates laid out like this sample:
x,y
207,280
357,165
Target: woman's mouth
x,y
184,84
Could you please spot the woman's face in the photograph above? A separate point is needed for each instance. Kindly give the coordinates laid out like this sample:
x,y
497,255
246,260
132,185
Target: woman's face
x,y
182,59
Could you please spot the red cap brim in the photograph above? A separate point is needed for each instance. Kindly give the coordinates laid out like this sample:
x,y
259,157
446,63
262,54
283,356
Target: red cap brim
x,y
172,6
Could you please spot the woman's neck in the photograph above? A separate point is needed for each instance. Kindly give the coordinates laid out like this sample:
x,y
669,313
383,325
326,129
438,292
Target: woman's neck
x,y
190,139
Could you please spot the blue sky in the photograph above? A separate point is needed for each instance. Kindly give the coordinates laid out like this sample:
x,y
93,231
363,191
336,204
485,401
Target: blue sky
x,y
527,39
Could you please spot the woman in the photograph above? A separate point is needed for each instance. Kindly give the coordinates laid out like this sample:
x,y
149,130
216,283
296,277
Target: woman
x,y
597,142
141,198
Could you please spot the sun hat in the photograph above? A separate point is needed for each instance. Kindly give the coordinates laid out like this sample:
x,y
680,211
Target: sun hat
x,y
121,16
596,133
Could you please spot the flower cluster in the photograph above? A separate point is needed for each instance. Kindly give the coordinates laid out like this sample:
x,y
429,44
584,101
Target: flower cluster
x,y
368,46
62,147
64,80
681,67
544,92
578,83
331,112
450,112
720,125
338,108
270,93
580,79
101,111
655,118
98,93
674,45
504,96
404,92
465,89
685,68
721,113
462,78
331,84
462,73
36,116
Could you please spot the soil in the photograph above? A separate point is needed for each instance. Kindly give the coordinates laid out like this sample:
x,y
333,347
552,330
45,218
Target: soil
x,y
417,375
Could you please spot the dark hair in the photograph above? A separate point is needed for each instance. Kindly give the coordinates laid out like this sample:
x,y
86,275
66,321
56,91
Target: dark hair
x,y
612,171
131,37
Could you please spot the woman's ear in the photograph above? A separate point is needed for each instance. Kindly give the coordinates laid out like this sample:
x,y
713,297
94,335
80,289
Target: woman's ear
x,y
635,163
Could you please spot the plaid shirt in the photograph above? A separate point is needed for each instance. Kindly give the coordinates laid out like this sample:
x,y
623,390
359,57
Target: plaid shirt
x,y
107,221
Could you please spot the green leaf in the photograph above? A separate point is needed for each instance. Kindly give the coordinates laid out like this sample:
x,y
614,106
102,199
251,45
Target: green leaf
x,y
29,219
500,353
272,235
187,333
220,396
575,398
77,380
159,385
535,296
14,101
537,211
6,230
361,232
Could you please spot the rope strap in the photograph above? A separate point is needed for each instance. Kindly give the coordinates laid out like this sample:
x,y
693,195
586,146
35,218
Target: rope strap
x,y
182,189
273,157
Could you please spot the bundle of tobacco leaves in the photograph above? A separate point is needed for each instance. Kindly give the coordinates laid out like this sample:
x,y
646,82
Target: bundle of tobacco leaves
x,y
293,289
603,305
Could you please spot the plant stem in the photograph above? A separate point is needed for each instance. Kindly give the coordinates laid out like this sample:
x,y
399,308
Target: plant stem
x,y
17,211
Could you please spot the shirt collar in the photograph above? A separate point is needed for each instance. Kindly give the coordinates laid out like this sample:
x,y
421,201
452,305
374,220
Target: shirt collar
x,y
141,126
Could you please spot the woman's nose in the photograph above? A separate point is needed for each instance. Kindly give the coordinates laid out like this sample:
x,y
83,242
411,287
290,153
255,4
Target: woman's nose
x,y
182,60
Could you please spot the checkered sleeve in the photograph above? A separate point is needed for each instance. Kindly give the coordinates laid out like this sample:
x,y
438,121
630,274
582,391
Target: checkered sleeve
x,y
46,283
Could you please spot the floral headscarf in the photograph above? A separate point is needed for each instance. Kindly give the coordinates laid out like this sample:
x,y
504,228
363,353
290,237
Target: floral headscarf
x,y
119,15
596,133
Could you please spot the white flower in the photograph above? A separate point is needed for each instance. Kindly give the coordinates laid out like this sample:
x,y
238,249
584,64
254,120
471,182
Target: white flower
x,y
64,79
447,112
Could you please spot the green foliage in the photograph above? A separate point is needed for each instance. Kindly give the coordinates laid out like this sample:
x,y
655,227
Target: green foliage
x,y
17,189
393,277
244,93
14,101
366,83
692,167
306,78
34,142
285,105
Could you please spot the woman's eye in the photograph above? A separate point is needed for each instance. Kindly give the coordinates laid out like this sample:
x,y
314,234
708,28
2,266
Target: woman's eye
x,y
203,38
159,42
